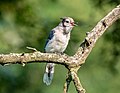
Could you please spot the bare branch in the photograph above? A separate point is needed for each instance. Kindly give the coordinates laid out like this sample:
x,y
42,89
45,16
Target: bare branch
x,y
20,58
77,83
95,34
67,83
82,53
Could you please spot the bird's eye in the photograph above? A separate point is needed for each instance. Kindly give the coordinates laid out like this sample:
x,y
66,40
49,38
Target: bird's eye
x,y
67,21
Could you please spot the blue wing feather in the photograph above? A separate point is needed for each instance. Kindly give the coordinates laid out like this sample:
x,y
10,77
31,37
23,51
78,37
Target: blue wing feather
x,y
49,37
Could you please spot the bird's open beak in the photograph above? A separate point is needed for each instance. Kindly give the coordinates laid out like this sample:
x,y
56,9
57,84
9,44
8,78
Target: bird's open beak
x,y
74,24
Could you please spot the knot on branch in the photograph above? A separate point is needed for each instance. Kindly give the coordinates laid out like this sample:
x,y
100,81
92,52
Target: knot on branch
x,y
104,23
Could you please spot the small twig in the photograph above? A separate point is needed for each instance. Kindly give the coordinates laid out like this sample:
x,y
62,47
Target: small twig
x,y
33,49
67,83
23,64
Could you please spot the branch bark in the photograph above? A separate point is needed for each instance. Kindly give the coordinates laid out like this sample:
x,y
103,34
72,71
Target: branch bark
x,y
72,63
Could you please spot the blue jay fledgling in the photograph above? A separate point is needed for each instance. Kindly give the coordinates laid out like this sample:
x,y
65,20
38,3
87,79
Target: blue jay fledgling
x,y
57,42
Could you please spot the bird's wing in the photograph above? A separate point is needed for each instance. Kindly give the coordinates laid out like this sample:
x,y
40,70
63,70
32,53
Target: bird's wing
x,y
51,35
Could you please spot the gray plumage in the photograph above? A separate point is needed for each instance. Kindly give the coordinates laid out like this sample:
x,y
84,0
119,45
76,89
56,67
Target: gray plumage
x,y
57,43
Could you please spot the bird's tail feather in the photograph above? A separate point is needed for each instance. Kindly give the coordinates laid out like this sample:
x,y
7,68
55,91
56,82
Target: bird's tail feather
x,y
48,75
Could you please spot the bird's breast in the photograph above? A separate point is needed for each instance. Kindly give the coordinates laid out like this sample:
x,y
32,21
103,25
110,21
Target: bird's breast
x,y
58,43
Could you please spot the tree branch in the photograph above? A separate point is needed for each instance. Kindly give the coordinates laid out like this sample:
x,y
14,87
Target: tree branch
x,y
67,83
72,63
37,56
92,36
77,83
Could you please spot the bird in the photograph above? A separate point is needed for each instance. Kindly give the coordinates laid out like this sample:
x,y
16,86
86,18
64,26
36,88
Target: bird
x,y
57,43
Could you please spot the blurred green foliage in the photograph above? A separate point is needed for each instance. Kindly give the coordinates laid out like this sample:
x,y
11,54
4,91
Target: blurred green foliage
x,y
28,22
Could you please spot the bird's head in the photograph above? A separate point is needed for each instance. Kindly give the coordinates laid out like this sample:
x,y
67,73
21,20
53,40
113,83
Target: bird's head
x,y
68,22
